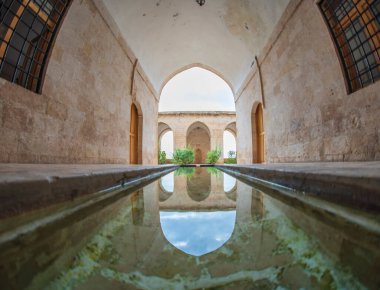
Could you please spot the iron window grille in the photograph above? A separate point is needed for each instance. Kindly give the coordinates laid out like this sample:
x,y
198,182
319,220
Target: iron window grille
x,y
355,28
27,32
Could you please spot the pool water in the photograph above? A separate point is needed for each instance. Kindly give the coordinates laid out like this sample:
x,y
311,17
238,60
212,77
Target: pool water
x,y
199,228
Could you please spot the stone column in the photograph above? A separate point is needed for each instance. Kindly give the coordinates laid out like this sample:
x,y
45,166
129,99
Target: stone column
x,y
217,141
243,203
179,138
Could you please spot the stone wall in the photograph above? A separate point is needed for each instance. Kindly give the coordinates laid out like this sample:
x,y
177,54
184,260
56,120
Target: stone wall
x,y
82,115
308,114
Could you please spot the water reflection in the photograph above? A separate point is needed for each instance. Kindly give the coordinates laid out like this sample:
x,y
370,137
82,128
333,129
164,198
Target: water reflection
x,y
199,185
252,242
229,182
197,233
199,217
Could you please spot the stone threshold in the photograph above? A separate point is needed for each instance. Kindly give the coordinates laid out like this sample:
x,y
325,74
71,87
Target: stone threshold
x,y
29,187
353,184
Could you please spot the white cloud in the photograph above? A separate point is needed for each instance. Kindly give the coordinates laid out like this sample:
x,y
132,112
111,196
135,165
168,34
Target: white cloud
x,y
196,89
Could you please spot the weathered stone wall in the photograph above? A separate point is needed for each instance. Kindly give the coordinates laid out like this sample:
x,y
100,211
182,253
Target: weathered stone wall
x,y
83,113
308,114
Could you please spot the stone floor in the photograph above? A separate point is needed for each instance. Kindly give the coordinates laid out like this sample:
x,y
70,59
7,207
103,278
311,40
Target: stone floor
x,y
25,187
351,183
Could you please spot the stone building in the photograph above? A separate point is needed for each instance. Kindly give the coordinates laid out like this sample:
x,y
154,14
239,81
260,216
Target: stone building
x,y
80,86
202,131
92,97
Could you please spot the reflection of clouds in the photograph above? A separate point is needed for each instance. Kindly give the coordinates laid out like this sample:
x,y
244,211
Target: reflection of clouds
x,y
181,244
167,182
229,182
197,233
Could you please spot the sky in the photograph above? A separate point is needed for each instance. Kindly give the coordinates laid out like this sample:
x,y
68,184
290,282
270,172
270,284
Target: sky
x,y
196,89
197,233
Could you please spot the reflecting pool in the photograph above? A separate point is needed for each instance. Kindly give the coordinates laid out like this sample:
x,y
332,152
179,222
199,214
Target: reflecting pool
x,y
201,229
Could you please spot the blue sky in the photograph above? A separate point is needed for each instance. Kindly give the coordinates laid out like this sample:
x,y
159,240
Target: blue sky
x,y
197,233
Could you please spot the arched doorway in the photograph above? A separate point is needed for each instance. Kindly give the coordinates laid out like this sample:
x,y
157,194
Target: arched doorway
x,y
198,137
135,136
229,143
166,140
258,134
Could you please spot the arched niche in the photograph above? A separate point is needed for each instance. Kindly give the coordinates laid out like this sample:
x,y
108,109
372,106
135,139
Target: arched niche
x,y
258,133
198,137
135,134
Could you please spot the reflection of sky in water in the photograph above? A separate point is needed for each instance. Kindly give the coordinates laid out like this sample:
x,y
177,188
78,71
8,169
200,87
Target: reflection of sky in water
x,y
197,233
167,182
229,182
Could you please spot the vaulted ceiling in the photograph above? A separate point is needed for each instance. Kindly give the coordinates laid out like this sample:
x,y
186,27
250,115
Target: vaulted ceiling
x,y
167,35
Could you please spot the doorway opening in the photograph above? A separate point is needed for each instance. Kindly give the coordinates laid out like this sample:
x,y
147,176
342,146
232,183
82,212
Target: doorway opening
x,y
198,138
258,134
135,135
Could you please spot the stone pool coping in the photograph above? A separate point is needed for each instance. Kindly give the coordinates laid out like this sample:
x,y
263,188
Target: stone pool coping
x,y
355,184
25,187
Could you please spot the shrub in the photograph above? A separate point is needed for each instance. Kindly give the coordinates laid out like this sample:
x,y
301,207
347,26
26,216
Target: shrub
x,y
186,171
183,156
214,171
231,157
161,157
213,156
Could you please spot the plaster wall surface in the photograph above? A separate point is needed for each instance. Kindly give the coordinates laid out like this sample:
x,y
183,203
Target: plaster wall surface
x,y
180,122
169,35
82,115
308,115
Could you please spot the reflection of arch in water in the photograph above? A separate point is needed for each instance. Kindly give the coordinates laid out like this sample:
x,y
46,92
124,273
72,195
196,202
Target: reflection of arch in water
x,y
198,137
166,186
199,185
229,186
257,205
198,233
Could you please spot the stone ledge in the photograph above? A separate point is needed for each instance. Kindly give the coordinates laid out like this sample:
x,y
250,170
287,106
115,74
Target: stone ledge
x,y
355,184
26,187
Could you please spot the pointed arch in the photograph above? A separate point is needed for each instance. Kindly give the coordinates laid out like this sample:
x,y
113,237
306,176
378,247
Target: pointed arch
x,y
200,65
199,138
258,133
135,134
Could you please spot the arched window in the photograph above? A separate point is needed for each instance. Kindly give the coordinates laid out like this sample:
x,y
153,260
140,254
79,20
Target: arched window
x,y
355,27
27,32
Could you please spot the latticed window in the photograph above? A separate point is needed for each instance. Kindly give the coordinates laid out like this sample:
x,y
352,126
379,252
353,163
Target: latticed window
x,y
27,32
355,27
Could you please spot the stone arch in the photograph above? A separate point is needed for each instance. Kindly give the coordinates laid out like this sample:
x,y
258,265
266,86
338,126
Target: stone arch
x,y
135,134
200,65
231,127
258,133
199,138
162,129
